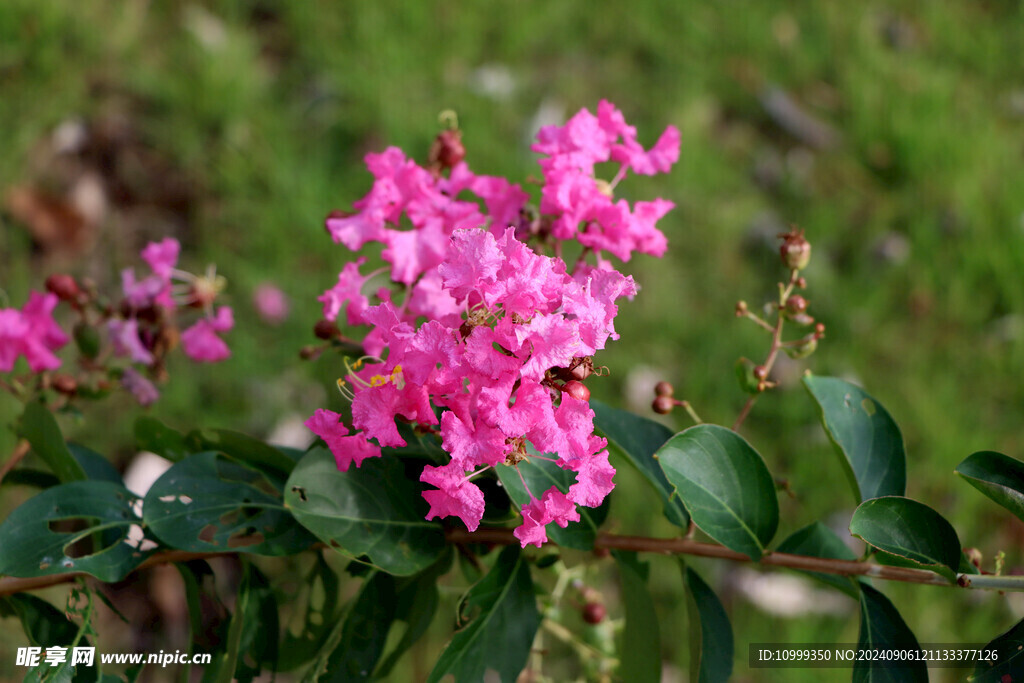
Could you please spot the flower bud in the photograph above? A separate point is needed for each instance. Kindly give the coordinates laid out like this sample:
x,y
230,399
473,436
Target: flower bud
x,y
578,390
64,384
663,388
325,329
87,339
761,373
803,348
795,250
447,150
594,613
796,304
663,405
310,352
64,286
741,309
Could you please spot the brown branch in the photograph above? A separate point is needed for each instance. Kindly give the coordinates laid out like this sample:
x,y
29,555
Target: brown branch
x,y
17,454
665,546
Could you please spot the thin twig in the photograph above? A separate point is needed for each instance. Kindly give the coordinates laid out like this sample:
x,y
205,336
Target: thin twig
x,y
17,454
665,546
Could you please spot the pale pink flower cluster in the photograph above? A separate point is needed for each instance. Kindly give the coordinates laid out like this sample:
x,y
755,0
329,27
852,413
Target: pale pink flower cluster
x,y
485,343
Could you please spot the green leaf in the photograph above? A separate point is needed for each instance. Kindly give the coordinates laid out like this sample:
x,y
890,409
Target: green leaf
x,y
44,624
540,475
223,666
32,548
318,602
711,643
373,510
209,502
417,601
365,632
909,530
641,640
95,466
153,435
40,428
998,476
817,540
242,447
29,477
725,486
258,641
882,627
502,621
638,438
1009,648
865,436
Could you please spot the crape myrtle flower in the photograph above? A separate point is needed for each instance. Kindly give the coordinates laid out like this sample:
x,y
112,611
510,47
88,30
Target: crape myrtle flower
x,y
484,340
31,332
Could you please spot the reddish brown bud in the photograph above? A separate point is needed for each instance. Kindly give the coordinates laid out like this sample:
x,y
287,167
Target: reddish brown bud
x,y
801,283
64,286
578,390
325,329
819,329
594,613
663,405
663,388
761,373
309,352
741,309
65,384
447,150
796,304
795,250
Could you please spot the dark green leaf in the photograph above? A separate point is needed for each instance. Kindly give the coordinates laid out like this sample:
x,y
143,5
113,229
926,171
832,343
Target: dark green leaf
x,y
44,624
30,477
154,436
258,641
502,621
243,448
638,438
817,540
40,428
865,436
998,476
95,466
224,665
208,502
417,601
641,640
319,600
1009,648
32,548
725,486
365,632
373,510
882,627
909,530
711,644
540,475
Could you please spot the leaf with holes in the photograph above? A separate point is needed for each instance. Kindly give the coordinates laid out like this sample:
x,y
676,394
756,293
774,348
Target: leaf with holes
x,y
40,428
374,510
637,439
909,530
641,637
209,502
540,475
58,531
865,436
1008,663
998,476
882,628
817,540
725,486
711,641
501,621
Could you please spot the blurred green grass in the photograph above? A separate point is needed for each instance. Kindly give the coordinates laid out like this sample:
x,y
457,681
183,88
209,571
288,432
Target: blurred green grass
x,y
916,213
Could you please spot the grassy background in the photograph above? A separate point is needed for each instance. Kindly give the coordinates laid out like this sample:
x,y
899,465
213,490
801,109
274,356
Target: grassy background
x,y
259,113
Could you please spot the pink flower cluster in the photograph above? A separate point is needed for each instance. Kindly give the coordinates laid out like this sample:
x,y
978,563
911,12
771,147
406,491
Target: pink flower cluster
x,y
137,330
32,333
487,345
